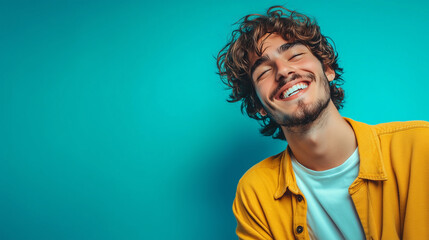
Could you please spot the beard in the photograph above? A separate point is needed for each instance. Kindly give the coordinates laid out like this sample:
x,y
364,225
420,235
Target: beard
x,y
305,114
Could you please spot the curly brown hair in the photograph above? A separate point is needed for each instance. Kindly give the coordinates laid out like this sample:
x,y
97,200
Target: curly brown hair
x,y
233,61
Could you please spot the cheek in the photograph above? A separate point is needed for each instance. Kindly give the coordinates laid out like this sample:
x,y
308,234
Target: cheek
x,y
260,95
263,89
311,64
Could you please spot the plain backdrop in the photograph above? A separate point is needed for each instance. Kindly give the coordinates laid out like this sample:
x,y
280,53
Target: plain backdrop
x,y
114,124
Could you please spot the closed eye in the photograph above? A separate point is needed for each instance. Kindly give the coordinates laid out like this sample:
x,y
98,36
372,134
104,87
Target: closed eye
x,y
296,55
257,79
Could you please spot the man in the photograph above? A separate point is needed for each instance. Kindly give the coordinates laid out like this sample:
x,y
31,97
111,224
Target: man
x,y
338,178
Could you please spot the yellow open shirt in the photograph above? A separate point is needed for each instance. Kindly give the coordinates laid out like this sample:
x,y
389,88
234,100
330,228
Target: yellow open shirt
x,y
391,192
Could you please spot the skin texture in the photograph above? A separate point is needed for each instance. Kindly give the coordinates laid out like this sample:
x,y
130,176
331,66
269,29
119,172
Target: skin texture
x,y
318,136
283,69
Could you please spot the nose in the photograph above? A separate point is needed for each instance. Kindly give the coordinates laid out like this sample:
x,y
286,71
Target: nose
x,y
284,70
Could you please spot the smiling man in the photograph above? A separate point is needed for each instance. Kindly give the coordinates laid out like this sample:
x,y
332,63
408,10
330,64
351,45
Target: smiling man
x,y
338,178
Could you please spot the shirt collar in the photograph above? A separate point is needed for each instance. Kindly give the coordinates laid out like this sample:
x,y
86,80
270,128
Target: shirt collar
x,y
371,161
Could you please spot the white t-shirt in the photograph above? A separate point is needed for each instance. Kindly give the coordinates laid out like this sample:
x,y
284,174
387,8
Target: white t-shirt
x,y
330,210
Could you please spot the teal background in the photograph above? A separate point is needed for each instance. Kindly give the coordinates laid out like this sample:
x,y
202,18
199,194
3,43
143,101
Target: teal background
x,y
114,125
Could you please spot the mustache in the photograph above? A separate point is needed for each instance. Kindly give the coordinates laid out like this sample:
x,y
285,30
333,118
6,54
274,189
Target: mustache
x,y
284,81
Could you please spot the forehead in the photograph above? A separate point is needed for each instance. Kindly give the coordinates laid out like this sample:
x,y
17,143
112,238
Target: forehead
x,y
270,40
267,43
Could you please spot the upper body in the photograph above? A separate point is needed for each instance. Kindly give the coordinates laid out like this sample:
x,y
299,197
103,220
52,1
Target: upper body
x,y
390,193
286,74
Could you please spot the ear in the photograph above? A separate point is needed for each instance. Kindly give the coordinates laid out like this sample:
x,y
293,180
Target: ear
x,y
262,112
330,74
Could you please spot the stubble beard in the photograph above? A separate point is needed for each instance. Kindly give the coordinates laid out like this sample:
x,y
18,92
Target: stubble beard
x,y
305,114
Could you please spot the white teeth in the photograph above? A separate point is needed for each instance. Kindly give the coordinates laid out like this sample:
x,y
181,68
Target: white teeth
x,y
294,89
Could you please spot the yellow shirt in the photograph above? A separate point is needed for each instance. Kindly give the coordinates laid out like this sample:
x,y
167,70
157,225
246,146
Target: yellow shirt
x,y
391,192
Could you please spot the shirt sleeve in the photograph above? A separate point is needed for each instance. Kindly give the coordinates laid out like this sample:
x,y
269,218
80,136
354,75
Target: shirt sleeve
x,y
251,221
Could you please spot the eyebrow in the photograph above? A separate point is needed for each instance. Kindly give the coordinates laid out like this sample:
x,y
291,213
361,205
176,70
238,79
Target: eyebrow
x,y
265,58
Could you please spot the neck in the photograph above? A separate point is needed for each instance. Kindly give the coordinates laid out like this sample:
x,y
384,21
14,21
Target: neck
x,y
324,144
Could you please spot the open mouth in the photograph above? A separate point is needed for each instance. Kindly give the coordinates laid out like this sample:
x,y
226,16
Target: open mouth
x,y
293,90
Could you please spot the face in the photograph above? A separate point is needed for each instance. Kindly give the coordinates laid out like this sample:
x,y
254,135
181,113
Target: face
x,y
290,82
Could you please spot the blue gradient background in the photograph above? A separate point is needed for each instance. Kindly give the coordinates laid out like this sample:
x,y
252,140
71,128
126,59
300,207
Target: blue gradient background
x,y
114,125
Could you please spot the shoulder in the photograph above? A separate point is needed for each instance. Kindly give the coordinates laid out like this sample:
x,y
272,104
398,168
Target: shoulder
x,y
411,127
262,177
253,203
410,132
404,144
414,127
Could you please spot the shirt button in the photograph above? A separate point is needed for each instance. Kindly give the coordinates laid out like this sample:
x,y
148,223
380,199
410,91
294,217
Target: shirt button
x,y
299,229
300,198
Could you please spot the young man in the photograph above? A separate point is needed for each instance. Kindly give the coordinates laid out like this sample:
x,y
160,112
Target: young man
x,y
338,178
